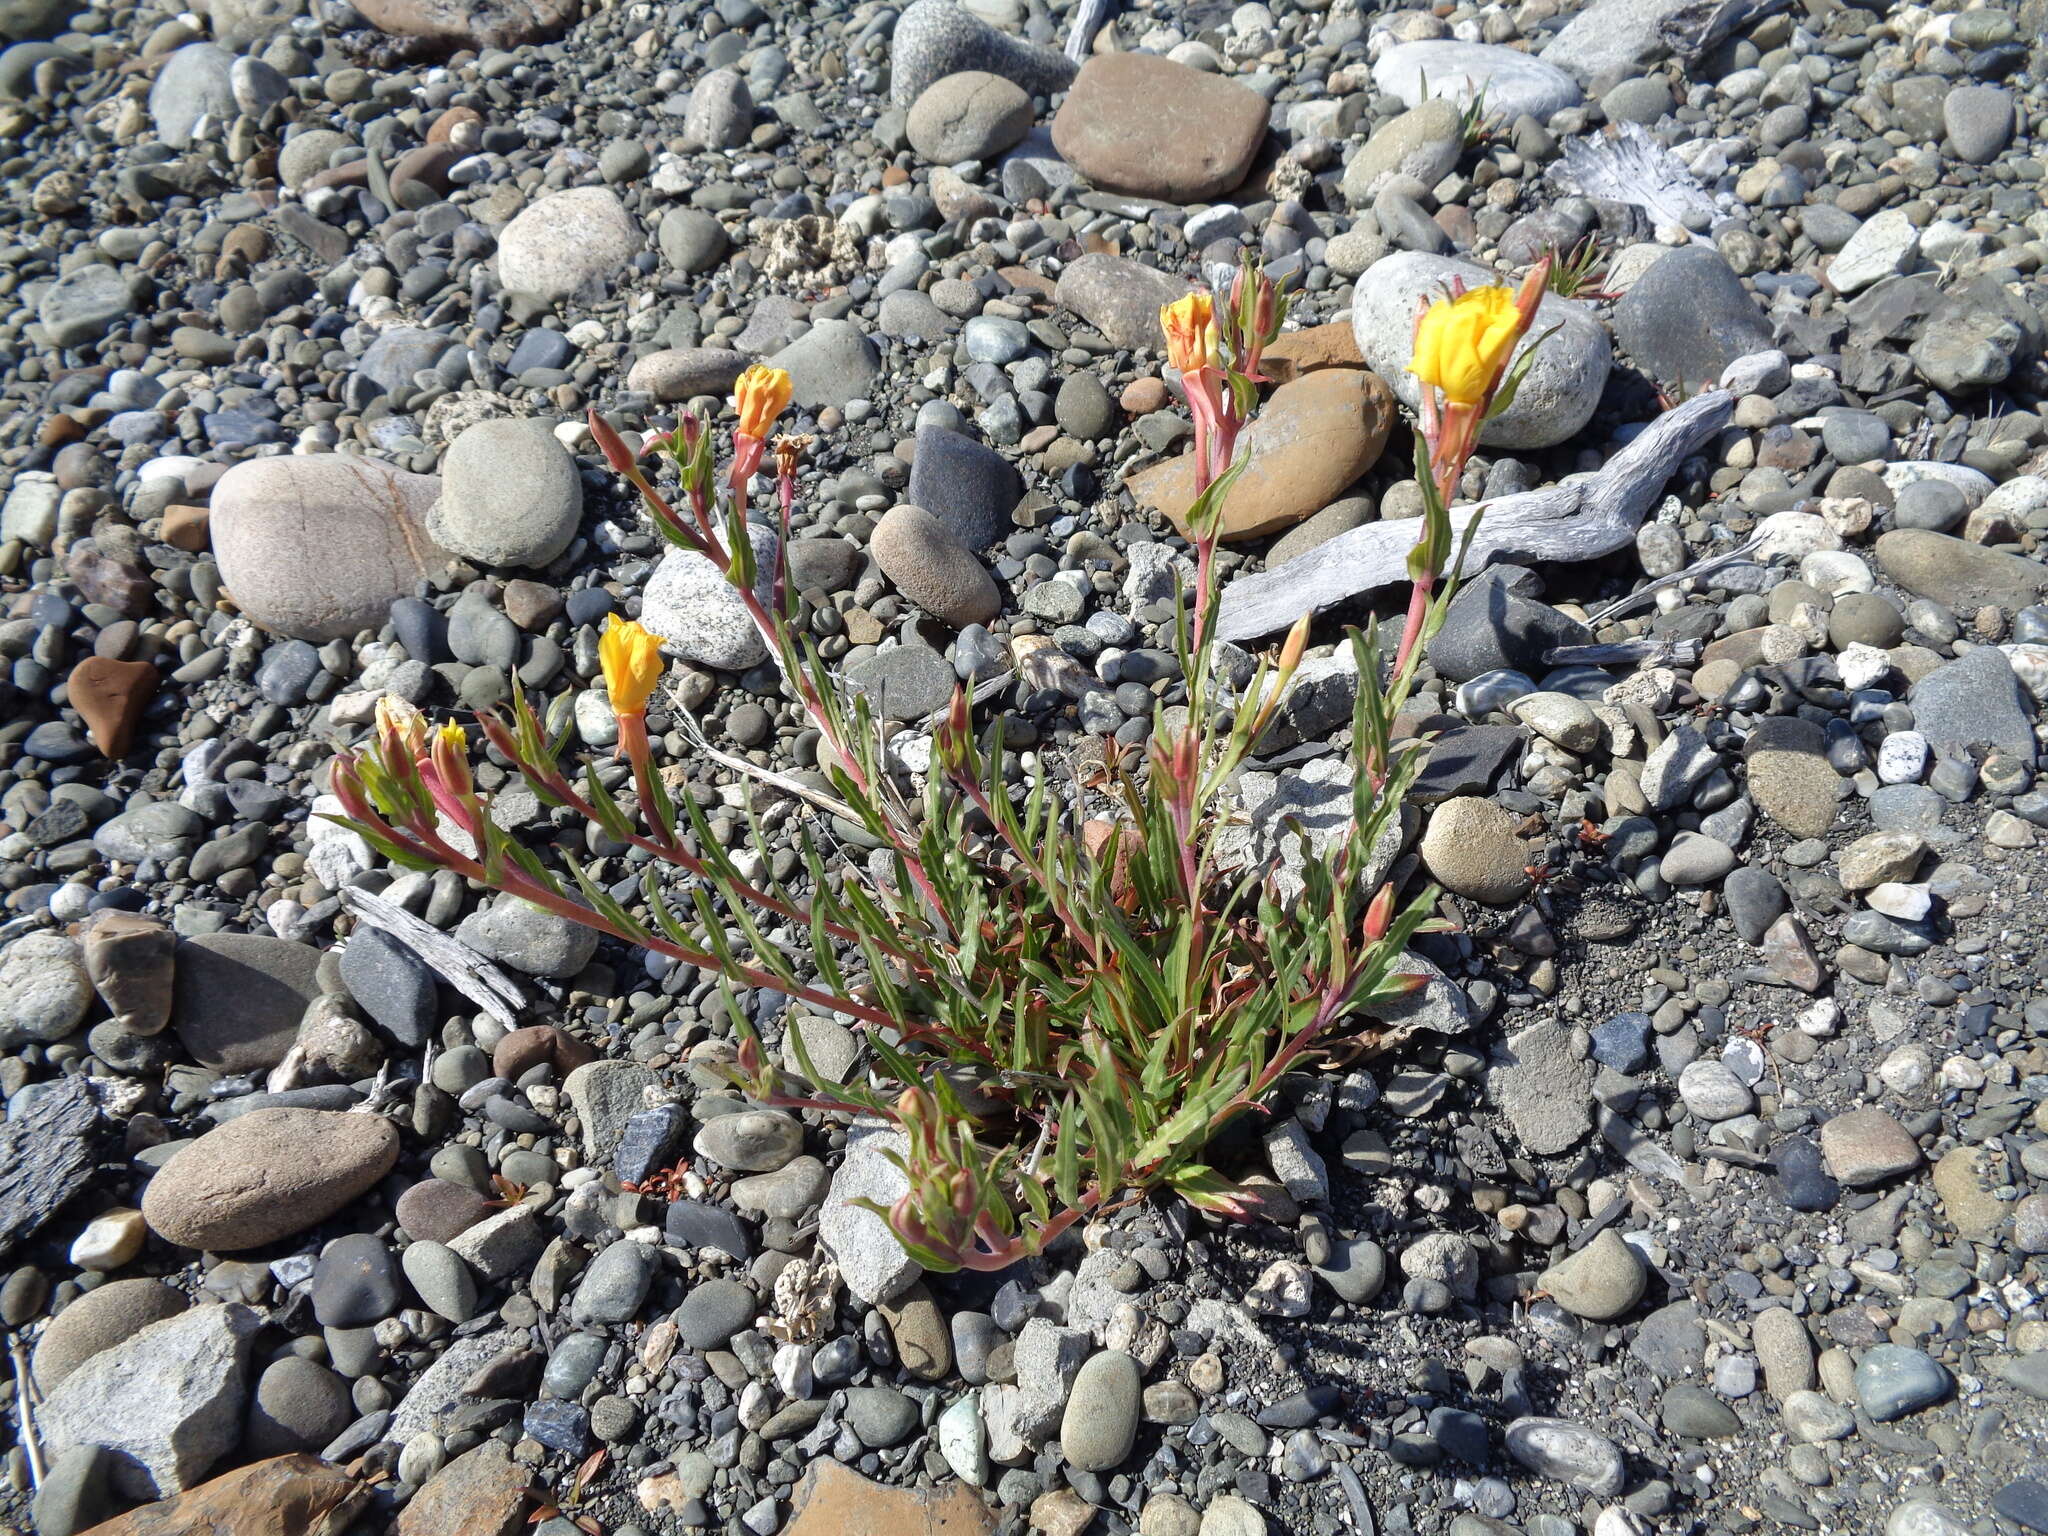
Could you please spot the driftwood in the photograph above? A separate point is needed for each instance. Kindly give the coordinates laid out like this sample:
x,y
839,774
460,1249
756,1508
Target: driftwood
x,y
1691,31
480,980
1089,18
1628,166
1578,521
47,1155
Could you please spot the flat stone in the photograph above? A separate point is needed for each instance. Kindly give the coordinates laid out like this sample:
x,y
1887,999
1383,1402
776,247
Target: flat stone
x,y
834,1500
1957,574
240,997
1544,1087
266,1175
1973,705
480,1493
684,373
295,1495
1866,1147
1119,297
1509,81
166,1402
1311,440
1143,124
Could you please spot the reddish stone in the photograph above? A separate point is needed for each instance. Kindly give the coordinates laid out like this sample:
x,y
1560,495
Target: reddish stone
x,y
1312,439
108,582
478,1494
1320,346
832,1501
110,697
1141,397
296,1495
454,118
426,167
521,1050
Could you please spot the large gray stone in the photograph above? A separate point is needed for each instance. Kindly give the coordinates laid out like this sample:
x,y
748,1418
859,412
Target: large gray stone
x,y
84,304
1510,81
700,616
1562,387
1119,297
936,38
510,494
319,546
166,1403
1975,704
871,1260
568,243
1688,317
1611,39
193,83
831,363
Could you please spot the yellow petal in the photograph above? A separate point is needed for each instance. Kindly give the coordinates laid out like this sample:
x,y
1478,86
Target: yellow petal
x,y
631,659
1462,345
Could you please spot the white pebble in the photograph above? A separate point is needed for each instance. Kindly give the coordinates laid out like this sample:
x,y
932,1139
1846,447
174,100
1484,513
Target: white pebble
x,y
1902,758
1894,898
109,1240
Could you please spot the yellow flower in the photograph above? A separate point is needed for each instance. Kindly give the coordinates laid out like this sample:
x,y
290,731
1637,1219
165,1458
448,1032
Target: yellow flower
x,y
1462,345
1190,325
631,658
761,394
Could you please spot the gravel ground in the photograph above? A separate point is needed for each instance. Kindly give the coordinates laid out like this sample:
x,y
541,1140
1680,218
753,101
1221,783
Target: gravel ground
x,y
1703,1188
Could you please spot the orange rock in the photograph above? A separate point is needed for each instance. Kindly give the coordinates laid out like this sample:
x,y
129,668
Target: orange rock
x,y
1141,397
296,1495
185,527
477,1494
1311,439
832,1501
1320,346
895,176
1028,282
110,697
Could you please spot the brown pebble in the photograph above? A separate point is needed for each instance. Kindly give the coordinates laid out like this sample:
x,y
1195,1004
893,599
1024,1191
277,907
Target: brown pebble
x,y
446,124
521,1050
110,697
185,527
1141,397
438,1210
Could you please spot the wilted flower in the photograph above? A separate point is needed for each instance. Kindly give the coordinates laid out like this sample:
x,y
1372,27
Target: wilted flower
x,y
631,658
1190,324
762,394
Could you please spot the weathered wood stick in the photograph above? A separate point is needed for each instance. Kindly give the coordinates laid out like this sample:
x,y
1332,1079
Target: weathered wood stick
x,y
1089,18
1578,521
476,978
47,1154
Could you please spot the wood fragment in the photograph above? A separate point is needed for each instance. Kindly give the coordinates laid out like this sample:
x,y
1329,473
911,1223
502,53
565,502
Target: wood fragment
x,y
47,1155
1090,17
1576,521
481,980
